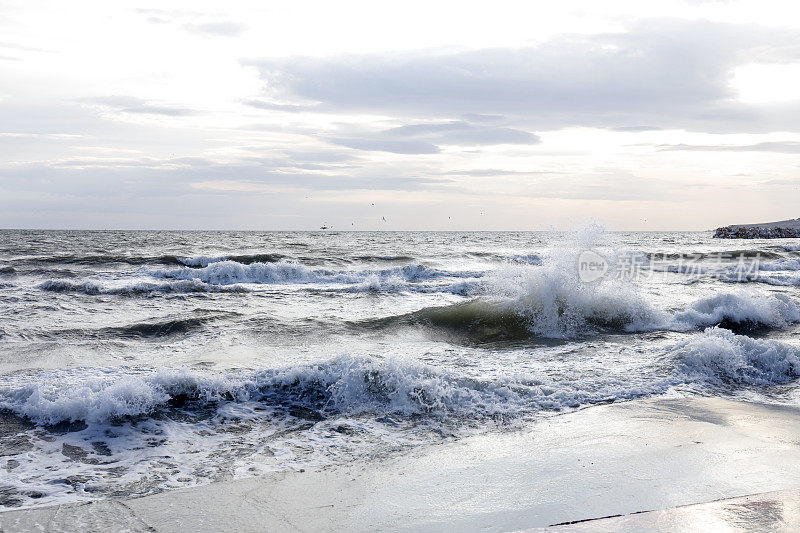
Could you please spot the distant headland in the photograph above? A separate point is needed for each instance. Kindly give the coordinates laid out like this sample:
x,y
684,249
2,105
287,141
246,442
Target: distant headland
x,y
768,230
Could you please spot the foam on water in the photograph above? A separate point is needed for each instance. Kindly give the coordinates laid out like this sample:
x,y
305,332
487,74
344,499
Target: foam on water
x,y
231,272
347,384
723,358
554,302
134,289
791,264
409,278
743,307
166,427
549,303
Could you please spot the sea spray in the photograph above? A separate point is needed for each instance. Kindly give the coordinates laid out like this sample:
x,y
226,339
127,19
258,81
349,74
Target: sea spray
x,y
551,300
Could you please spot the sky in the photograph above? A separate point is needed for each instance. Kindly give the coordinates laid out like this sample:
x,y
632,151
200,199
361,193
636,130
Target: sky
x,y
669,115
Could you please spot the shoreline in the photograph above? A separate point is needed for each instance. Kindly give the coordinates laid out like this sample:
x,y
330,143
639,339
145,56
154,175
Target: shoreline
x,y
614,459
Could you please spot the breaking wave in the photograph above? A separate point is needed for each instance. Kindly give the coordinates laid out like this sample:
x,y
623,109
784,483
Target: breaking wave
x,y
373,386
343,386
721,357
561,310
545,302
231,272
791,264
204,261
135,289
350,385
740,311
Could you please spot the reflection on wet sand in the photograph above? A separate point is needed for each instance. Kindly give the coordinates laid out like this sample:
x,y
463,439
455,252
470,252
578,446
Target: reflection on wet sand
x,y
770,511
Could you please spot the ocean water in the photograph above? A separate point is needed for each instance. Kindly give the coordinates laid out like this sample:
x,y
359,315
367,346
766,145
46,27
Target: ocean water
x,y
133,362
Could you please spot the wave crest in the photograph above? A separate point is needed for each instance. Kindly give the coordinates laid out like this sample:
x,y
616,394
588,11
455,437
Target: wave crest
x,y
230,272
135,289
740,310
351,385
550,301
721,357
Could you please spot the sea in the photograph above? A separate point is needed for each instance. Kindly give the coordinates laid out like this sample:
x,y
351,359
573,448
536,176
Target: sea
x,y
134,362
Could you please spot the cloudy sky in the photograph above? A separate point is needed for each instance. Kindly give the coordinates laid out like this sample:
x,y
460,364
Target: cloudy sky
x,y
664,115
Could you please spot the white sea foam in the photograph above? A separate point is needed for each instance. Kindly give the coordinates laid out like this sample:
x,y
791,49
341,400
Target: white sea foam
x,y
354,385
200,260
739,307
256,421
231,272
721,357
348,384
554,302
780,265
780,280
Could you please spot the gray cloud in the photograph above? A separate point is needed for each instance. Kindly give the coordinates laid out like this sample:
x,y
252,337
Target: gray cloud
x,y
462,133
480,136
662,73
476,117
320,156
386,145
608,184
490,172
129,104
193,22
270,106
149,109
148,177
62,155
425,138
635,129
217,29
785,147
